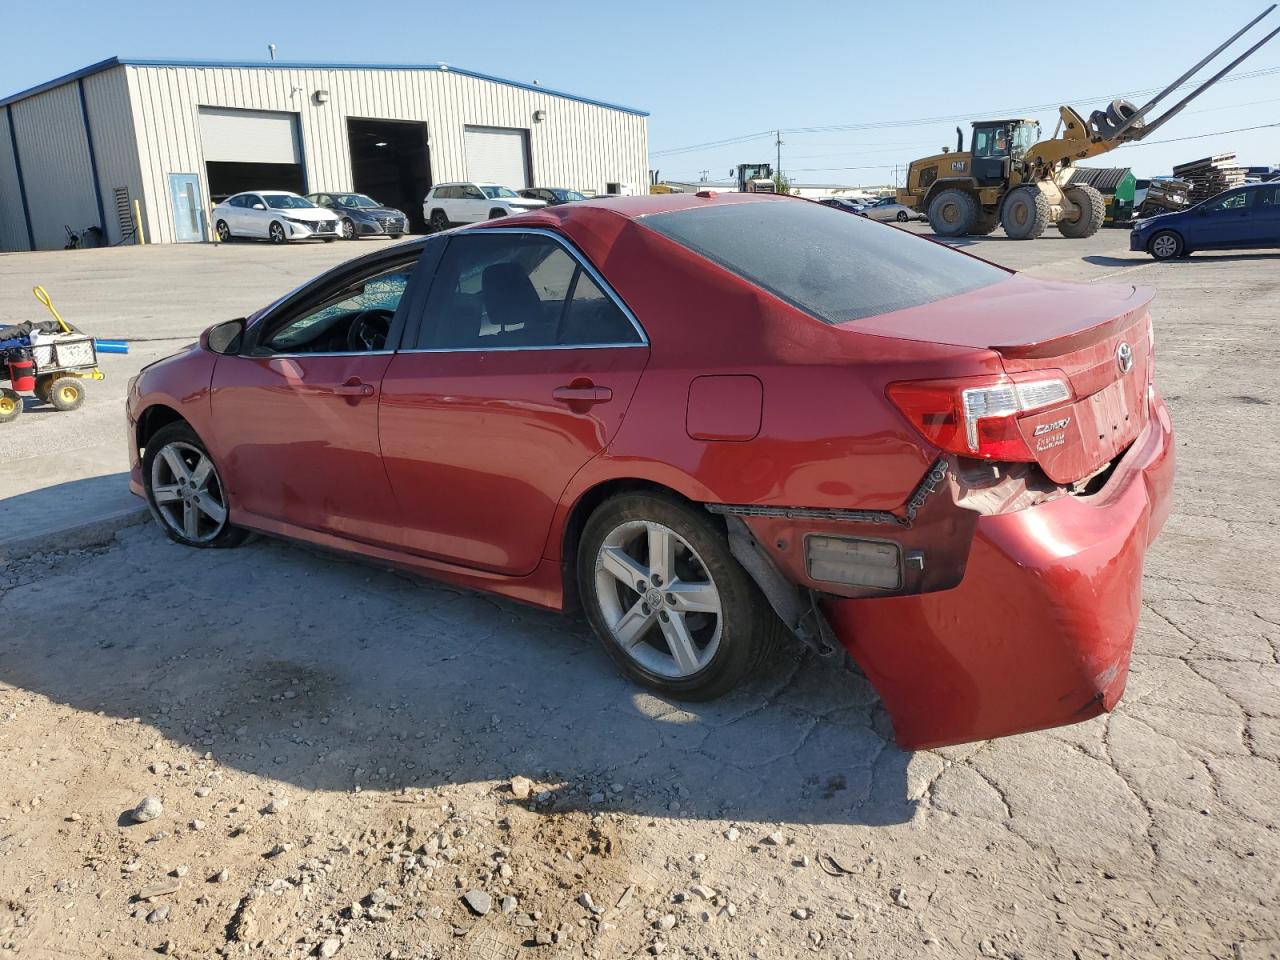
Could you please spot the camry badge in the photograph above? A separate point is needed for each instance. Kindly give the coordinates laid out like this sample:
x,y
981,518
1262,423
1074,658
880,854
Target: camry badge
x,y
1124,357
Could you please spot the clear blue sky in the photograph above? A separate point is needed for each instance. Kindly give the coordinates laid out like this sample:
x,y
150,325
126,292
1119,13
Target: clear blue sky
x,y
716,71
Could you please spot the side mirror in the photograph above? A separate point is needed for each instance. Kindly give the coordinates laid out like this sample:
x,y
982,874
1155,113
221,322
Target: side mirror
x,y
223,338
259,206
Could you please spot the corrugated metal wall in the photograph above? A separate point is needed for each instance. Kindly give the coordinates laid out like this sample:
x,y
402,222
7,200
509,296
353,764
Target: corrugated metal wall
x,y
115,149
13,225
578,145
55,164
57,169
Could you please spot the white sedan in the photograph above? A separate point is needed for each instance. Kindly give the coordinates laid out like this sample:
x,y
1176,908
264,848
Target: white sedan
x,y
275,215
888,208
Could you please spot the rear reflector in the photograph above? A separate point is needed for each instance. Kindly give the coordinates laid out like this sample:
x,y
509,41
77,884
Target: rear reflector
x,y
853,561
977,416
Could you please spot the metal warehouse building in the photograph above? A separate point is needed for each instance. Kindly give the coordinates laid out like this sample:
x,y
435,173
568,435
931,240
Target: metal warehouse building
x,y
177,136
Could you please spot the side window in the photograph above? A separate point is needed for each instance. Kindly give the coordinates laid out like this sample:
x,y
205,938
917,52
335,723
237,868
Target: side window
x,y
252,201
1269,198
1232,201
238,201
471,192
500,290
354,318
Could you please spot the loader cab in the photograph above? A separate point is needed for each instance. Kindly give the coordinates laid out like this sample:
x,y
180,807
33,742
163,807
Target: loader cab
x,y
997,144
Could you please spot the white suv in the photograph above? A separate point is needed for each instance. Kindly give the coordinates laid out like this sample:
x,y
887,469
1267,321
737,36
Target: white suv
x,y
447,204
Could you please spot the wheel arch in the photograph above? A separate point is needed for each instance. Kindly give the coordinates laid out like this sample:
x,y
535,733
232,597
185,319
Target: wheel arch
x,y
153,418
579,511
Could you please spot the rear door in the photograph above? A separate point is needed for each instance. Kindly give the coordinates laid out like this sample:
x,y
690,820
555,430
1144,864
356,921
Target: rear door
x,y
519,371
471,205
1266,214
297,413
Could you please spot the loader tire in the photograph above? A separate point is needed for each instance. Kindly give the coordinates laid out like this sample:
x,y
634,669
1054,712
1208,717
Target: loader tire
x,y
985,224
1093,210
1025,213
952,213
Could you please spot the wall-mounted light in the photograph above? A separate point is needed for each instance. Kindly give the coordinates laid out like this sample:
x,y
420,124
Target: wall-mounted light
x,y
321,96
381,143
539,116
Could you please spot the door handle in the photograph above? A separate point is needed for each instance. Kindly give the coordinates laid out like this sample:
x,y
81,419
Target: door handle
x,y
582,393
354,388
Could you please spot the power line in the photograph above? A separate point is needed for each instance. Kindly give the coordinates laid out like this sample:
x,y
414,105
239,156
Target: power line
x,y
893,124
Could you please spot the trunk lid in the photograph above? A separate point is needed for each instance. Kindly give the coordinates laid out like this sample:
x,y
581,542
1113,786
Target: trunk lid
x,y
1097,337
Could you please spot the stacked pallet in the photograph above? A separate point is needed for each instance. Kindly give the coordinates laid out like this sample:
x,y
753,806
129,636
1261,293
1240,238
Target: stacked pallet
x,y
1209,176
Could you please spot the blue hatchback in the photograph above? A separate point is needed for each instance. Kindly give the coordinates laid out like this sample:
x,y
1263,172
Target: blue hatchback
x,y
1244,218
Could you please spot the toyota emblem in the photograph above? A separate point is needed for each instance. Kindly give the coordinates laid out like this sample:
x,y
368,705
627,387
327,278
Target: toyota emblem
x,y
1124,357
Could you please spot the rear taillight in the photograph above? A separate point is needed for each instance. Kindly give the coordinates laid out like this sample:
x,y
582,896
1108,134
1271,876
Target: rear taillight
x,y
977,416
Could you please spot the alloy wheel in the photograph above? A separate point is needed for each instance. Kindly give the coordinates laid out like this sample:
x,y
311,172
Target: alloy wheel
x,y
1164,246
224,232
187,492
348,230
277,233
658,599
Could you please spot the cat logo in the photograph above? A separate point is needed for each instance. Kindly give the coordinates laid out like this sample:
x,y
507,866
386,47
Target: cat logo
x,y
957,166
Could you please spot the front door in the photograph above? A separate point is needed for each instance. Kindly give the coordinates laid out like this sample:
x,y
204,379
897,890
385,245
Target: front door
x,y
1224,222
1266,214
302,406
519,372
188,215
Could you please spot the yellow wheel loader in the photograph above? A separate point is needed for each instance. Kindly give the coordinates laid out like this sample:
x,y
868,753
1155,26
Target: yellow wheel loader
x,y
1010,177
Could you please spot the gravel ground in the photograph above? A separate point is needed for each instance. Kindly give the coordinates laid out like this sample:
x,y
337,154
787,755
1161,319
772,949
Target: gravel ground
x,y
353,763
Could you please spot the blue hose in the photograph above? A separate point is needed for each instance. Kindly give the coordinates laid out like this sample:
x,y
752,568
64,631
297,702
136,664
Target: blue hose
x,y
112,346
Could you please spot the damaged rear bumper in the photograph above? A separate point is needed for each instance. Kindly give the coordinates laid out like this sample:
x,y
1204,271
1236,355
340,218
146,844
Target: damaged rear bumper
x,y
1039,631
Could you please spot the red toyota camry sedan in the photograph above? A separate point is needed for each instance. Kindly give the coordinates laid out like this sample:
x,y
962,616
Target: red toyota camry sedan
x,y
712,422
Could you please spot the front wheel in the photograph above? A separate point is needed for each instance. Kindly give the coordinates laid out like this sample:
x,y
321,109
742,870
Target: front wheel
x,y
902,216
66,393
668,601
277,232
184,491
348,229
1091,212
438,221
223,231
1165,245
10,405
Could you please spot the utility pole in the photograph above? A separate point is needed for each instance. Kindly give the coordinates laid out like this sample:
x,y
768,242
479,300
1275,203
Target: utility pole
x,y
703,174
778,143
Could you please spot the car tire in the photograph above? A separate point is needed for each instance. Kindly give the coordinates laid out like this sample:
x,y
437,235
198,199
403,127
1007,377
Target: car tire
x,y
1166,245
328,239
438,221
1024,213
1093,211
902,216
66,393
348,229
396,236
175,444
223,231
10,405
695,648
952,212
276,232
497,212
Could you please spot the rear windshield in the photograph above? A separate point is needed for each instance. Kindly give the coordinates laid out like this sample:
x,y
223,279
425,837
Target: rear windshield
x,y
829,263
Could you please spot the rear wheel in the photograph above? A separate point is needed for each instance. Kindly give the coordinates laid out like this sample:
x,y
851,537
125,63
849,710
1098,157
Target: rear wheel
x,y
223,231
952,213
44,387
902,216
184,491
1165,245
277,232
668,601
1025,213
439,221
66,393
1093,210
10,405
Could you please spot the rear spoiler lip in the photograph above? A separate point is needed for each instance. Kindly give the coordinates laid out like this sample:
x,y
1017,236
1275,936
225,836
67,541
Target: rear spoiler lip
x,y
1079,339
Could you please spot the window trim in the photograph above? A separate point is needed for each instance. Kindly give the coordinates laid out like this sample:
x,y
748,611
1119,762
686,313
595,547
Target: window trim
x,y
305,299
584,264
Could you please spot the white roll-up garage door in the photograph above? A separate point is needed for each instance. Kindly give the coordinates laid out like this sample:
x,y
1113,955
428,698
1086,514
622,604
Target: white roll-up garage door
x,y
249,136
497,155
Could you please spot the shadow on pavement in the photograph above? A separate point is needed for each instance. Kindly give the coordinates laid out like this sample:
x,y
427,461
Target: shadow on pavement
x,y
327,674
53,509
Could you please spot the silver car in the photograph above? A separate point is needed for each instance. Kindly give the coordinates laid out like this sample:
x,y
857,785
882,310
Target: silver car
x,y
888,208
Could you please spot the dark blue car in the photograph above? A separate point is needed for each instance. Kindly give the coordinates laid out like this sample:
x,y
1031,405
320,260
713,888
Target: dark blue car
x,y
1244,218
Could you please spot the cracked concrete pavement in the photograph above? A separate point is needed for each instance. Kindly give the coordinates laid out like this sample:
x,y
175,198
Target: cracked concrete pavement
x,y
376,701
